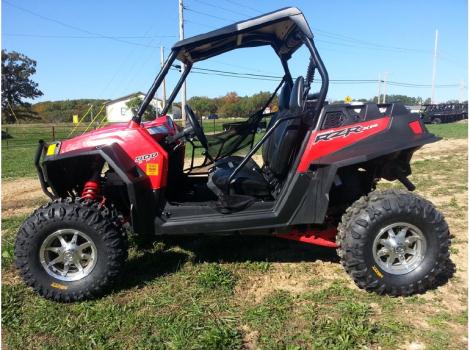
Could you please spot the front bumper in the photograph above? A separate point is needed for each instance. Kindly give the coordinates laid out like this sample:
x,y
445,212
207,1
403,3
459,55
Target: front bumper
x,y
41,175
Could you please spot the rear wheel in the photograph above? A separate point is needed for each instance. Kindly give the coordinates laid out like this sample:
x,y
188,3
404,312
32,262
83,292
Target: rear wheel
x,y
71,249
393,242
436,121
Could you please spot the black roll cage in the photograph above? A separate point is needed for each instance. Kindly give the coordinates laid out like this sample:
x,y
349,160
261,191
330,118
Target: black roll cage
x,y
301,33
318,63
284,30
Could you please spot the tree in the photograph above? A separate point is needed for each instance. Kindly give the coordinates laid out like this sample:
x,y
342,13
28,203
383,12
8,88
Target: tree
x,y
62,111
17,86
150,112
407,100
202,105
256,102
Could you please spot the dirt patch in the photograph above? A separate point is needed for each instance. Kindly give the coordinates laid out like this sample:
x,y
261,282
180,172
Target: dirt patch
x,y
438,149
21,196
10,277
295,278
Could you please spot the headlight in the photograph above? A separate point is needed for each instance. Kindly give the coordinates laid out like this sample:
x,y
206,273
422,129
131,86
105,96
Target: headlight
x,y
53,149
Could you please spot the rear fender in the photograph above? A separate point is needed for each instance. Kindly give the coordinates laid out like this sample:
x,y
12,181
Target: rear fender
x,y
382,144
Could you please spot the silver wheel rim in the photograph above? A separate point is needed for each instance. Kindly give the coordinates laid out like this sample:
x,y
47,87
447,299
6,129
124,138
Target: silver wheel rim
x,y
68,255
399,248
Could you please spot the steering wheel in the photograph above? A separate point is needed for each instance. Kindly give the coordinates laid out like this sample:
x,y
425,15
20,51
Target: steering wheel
x,y
197,129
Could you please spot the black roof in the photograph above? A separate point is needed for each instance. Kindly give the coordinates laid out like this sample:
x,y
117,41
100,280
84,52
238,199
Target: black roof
x,y
278,29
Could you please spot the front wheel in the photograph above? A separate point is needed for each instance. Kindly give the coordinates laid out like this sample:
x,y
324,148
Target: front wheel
x,y
393,242
71,249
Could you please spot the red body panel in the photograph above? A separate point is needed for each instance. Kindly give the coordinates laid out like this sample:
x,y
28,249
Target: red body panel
x,y
138,143
416,127
324,238
322,143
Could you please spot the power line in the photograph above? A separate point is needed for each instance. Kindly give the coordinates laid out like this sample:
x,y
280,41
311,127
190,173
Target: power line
x,y
222,8
362,46
208,71
239,73
199,24
367,43
208,14
232,2
233,76
66,25
325,33
87,36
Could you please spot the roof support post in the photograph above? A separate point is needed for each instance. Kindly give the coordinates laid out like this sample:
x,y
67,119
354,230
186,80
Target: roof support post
x,y
153,89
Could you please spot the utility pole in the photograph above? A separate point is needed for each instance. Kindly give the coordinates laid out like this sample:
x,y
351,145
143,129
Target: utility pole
x,y
162,61
384,100
434,64
183,88
379,88
462,91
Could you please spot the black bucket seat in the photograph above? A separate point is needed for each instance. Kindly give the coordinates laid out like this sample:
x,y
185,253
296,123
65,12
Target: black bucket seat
x,y
278,152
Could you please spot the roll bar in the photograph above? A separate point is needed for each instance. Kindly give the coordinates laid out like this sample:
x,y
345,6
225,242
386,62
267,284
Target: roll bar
x,y
153,89
174,53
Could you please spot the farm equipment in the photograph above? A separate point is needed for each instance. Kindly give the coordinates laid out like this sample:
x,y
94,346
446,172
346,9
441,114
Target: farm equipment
x,y
444,113
316,184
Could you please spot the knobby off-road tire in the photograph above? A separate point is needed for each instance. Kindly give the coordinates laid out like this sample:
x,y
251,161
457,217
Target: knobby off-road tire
x,y
369,217
95,223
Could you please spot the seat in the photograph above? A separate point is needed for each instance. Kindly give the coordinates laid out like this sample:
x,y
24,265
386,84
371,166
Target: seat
x,y
283,105
278,153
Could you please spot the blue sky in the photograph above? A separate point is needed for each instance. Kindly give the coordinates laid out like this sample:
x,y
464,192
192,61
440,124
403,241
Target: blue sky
x,y
356,39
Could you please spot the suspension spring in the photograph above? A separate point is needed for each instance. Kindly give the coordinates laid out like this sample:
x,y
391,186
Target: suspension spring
x,y
91,190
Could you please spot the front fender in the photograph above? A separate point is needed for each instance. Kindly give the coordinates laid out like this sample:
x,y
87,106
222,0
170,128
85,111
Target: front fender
x,y
66,173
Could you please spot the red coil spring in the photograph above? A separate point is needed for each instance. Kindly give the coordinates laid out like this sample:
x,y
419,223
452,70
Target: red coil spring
x,y
91,190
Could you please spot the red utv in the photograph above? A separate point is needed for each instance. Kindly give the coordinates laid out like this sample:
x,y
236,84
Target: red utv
x,y
316,184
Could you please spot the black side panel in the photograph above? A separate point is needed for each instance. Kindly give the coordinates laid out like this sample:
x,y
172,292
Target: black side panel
x,y
314,204
66,173
254,217
397,137
337,115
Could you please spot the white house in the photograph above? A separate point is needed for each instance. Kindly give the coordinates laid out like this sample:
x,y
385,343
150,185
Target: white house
x,y
117,110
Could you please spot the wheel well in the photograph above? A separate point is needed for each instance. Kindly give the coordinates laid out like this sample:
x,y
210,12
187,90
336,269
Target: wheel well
x,y
68,176
354,181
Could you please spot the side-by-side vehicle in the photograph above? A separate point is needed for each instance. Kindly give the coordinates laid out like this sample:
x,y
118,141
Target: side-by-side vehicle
x,y
315,184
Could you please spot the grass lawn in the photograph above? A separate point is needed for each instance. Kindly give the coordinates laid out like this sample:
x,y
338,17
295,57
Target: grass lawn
x,y
449,131
252,292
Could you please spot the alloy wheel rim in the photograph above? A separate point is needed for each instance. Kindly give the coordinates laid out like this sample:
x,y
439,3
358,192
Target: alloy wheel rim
x,y
68,255
399,248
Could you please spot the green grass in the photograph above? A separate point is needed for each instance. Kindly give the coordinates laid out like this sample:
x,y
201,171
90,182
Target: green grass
x,y
9,227
174,296
450,130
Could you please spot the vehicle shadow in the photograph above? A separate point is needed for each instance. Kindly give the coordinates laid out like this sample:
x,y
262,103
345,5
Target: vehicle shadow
x,y
150,263
448,271
232,249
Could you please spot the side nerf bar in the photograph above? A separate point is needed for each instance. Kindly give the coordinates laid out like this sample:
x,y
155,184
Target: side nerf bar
x,y
42,180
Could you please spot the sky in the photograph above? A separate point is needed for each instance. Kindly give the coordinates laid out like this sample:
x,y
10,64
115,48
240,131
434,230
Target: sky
x,y
110,48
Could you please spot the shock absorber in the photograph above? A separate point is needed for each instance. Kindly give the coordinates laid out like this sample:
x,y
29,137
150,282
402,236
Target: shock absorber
x,y
310,74
91,190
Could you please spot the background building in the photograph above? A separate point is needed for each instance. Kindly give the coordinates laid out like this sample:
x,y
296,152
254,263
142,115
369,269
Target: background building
x,y
117,110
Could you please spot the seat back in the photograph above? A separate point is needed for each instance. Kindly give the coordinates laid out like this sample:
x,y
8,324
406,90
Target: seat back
x,y
283,101
285,140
